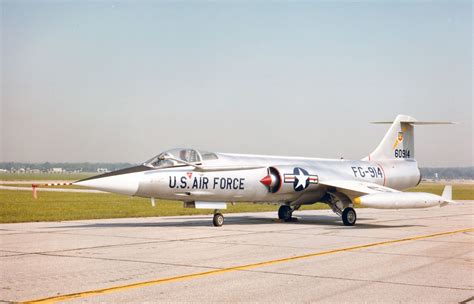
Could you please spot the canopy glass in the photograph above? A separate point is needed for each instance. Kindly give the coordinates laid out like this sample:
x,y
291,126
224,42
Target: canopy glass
x,y
173,157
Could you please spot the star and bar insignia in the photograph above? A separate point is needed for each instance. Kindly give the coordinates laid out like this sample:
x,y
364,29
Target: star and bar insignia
x,y
300,178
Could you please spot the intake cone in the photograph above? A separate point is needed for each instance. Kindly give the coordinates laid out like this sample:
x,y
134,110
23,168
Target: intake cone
x,y
267,180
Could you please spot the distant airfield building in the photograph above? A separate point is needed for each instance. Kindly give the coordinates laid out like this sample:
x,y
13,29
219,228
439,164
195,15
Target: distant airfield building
x,y
56,170
102,170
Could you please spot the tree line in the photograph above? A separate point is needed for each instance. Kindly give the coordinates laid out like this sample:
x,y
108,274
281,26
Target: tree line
x,y
72,167
448,173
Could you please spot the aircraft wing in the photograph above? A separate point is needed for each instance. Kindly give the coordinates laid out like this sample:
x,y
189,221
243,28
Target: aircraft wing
x,y
356,188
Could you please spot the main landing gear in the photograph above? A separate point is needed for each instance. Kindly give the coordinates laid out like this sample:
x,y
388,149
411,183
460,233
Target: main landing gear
x,y
218,219
342,206
285,213
349,216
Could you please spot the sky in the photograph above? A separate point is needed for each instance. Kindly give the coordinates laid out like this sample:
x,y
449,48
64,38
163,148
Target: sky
x,y
121,81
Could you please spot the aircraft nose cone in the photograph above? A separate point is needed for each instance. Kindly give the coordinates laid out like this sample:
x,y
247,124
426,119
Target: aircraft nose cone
x,y
126,184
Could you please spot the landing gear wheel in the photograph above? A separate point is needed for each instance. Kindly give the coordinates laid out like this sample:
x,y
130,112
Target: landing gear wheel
x,y
218,219
285,212
349,216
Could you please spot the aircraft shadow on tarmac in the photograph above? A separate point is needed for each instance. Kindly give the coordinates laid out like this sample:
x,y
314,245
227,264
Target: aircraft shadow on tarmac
x,y
206,221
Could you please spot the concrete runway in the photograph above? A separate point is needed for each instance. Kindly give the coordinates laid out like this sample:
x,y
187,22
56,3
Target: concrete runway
x,y
390,256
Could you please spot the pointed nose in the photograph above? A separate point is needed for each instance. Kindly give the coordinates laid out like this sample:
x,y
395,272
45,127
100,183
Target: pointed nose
x,y
124,181
126,184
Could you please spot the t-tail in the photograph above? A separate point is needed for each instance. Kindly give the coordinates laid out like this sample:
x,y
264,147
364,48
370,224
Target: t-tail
x,y
399,141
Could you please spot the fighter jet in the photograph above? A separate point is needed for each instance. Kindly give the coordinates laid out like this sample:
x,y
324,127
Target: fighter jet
x,y
207,180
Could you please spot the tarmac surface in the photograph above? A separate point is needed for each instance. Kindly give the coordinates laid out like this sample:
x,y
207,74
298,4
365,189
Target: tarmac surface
x,y
423,255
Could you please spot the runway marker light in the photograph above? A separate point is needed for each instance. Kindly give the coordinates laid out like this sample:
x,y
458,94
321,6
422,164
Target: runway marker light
x,y
35,193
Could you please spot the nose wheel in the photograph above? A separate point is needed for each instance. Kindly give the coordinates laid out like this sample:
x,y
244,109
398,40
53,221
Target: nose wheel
x,y
218,219
349,216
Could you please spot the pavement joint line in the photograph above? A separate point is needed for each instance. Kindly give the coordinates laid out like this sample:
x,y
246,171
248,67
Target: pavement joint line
x,y
358,280
92,247
424,217
416,255
159,239
130,261
119,288
296,247
150,241
210,267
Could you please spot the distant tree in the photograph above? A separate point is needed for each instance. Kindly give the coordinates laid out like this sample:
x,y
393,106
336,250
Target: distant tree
x,y
85,167
448,173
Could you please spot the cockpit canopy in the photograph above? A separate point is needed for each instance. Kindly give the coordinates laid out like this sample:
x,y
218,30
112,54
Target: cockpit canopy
x,y
179,157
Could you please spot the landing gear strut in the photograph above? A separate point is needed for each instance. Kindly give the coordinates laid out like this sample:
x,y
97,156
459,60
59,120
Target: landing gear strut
x,y
218,219
349,216
341,205
285,212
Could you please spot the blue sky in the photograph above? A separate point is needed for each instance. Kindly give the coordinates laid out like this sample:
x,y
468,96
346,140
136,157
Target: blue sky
x,y
123,80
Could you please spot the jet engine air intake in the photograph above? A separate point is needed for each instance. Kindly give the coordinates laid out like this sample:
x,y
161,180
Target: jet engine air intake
x,y
272,180
288,179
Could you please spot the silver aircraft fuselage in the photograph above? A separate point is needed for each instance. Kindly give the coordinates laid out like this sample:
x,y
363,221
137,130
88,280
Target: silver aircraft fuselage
x,y
185,183
209,180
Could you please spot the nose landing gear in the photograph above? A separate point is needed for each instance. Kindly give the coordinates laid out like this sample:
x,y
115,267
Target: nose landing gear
x,y
218,219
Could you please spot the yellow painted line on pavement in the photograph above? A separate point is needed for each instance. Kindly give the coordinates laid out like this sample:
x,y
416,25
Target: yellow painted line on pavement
x,y
108,290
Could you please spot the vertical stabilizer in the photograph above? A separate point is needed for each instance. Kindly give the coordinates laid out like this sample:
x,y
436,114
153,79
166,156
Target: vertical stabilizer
x,y
398,142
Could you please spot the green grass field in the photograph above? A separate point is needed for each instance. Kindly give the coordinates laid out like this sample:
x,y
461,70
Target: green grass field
x,y
460,191
19,206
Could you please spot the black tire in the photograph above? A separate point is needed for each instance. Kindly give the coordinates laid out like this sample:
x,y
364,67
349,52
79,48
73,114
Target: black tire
x,y
349,216
218,219
285,212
